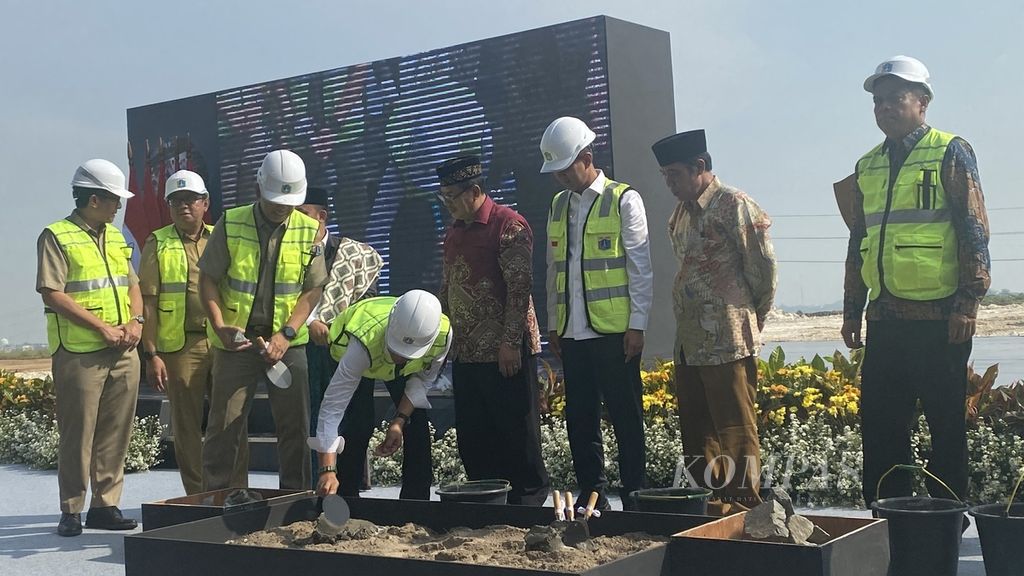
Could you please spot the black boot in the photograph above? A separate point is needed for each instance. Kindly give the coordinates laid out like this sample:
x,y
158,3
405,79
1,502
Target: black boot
x,y
69,525
108,518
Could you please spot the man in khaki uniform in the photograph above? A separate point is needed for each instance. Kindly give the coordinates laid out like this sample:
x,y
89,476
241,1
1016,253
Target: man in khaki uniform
x,y
174,341
94,322
260,276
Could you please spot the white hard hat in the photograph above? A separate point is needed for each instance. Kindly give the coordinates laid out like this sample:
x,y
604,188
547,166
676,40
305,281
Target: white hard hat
x,y
184,180
413,324
562,142
910,69
102,174
282,178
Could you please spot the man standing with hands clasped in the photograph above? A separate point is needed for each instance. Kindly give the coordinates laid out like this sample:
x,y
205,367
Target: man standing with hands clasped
x,y
599,290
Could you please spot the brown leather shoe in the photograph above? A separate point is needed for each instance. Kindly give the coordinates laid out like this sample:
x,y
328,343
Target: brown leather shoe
x,y
69,525
108,518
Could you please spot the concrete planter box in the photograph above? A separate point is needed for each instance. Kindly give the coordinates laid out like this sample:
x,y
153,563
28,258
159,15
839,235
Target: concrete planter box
x,y
859,547
198,547
190,508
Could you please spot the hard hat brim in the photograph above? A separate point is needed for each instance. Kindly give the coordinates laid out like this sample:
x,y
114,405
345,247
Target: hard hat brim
x,y
121,192
289,199
203,192
407,351
869,83
556,165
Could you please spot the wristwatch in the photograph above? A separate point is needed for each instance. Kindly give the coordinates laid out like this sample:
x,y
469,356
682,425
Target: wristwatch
x,y
140,319
403,417
146,354
288,332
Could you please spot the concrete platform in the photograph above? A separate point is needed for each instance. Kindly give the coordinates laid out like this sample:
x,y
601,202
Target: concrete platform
x,y
29,513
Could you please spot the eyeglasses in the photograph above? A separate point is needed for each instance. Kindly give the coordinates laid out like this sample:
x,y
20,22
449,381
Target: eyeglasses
x,y
187,201
445,198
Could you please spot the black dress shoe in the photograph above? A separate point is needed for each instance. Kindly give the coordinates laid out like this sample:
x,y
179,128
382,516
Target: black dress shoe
x,y
69,525
108,518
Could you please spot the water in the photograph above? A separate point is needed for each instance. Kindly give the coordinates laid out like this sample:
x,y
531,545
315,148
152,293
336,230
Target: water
x,y
1007,351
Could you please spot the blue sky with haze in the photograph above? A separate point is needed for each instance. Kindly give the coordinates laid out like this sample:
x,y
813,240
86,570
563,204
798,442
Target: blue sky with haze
x,y
777,85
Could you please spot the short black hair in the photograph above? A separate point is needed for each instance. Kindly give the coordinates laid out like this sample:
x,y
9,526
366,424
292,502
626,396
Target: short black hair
x,y
82,195
702,156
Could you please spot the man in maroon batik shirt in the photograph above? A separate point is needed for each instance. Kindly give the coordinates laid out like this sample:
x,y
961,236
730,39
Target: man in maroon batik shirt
x,y
485,291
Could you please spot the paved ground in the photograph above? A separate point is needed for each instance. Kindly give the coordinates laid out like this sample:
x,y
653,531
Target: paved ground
x,y
30,546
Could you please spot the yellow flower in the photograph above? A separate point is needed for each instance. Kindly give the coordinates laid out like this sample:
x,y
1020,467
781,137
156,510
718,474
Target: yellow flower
x,y
852,408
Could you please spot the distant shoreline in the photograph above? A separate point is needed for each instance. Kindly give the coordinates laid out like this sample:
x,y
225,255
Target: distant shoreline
x,y
993,320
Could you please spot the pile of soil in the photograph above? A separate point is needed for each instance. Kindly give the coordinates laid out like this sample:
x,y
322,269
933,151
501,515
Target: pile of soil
x,y
494,545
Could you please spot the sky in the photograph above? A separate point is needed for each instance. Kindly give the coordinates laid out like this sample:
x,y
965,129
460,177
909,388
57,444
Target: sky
x,y
777,85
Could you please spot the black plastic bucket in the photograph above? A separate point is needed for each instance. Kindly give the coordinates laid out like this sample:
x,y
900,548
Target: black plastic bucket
x,y
1001,537
476,491
924,534
672,500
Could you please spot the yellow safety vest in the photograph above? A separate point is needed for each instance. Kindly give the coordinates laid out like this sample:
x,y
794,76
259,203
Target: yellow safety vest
x,y
173,265
605,282
367,322
238,286
96,281
911,246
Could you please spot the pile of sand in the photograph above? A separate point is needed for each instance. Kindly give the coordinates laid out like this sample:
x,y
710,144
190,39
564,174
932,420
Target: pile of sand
x,y
494,545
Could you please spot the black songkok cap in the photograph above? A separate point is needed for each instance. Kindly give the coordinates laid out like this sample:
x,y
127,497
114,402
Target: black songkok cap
x,y
316,196
680,147
459,170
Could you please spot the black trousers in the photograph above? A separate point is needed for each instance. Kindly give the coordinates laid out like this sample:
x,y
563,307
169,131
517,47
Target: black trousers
x,y
357,428
596,370
498,427
906,361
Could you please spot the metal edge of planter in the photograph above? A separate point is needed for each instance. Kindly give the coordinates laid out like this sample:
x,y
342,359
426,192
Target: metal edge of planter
x,y
860,551
199,546
171,511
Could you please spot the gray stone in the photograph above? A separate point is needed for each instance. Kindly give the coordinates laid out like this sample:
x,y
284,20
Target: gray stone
x,y
800,529
780,495
819,536
242,496
544,539
766,521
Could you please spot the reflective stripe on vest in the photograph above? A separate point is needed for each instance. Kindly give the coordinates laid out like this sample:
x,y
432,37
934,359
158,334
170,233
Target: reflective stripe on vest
x,y
367,322
603,262
238,286
911,246
172,263
97,282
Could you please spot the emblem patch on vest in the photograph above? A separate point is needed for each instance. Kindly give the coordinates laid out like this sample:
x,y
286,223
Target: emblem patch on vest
x,y
554,243
604,244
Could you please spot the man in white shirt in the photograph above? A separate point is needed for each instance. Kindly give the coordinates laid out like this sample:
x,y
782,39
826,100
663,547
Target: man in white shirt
x,y
599,290
353,268
403,341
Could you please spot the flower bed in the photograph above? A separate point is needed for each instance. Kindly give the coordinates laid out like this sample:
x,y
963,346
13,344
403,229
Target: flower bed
x,y
28,427
809,423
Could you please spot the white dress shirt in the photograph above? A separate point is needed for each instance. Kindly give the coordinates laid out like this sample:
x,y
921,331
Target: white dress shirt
x,y
344,383
638,262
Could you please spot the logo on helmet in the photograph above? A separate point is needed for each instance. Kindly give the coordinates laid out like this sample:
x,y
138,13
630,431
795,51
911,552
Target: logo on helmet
x,y
887,67
548,157
286,189
408,340
182,183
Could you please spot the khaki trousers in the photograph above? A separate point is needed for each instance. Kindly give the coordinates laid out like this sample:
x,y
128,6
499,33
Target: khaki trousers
x,y
96,397
188,383
236,376
719,429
